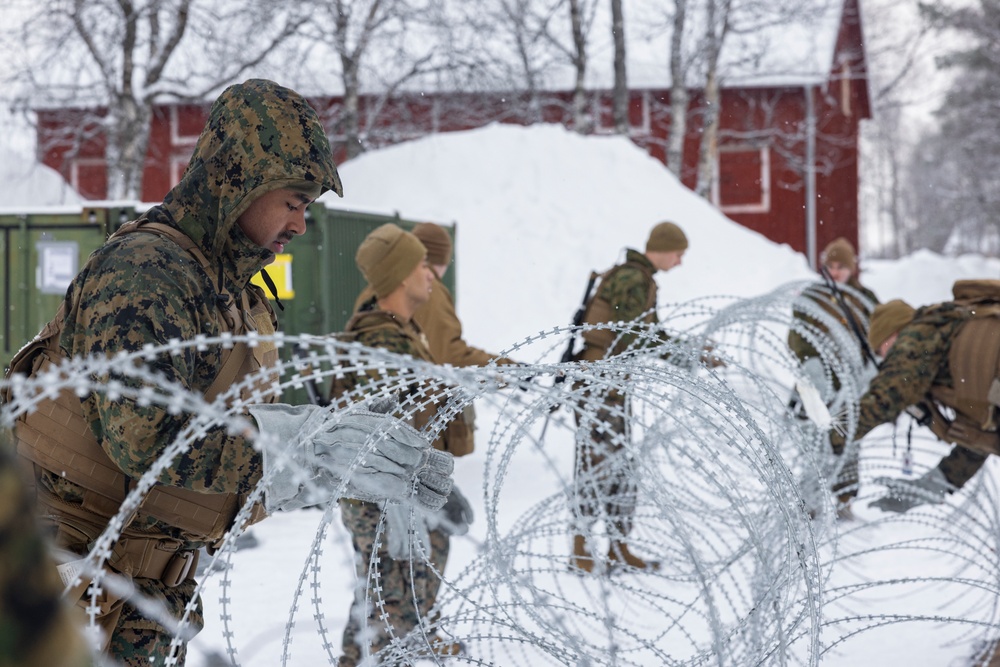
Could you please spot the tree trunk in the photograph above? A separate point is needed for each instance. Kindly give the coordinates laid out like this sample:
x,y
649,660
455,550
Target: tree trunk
x,y
619,96
350,118
678,92
127,126
709,149
581,120
717,26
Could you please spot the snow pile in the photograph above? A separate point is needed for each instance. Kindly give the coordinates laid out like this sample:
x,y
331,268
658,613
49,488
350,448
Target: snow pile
x,y
538,208
25,183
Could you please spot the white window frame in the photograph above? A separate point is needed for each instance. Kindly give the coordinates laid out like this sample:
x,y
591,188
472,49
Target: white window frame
x,y
176,138
762,206
76,163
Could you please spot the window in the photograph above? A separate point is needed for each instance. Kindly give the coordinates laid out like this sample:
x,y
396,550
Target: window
x,y
744,179
89,177
186,123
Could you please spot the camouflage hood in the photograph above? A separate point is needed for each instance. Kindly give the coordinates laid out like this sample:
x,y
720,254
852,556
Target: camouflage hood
x,y
259,137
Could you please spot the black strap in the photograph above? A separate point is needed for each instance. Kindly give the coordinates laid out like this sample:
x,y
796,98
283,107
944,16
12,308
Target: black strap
x,y
849,314
271,288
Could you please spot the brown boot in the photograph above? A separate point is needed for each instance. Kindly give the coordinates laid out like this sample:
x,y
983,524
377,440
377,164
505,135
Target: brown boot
x,y
844,512
619,554
582,560
441,646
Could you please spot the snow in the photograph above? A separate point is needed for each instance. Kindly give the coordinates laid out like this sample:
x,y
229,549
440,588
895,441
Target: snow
x,y
25,183
537,209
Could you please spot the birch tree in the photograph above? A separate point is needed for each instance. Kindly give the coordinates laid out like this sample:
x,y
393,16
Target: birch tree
x,y
112,61
679,97
380,46
575,50
619,93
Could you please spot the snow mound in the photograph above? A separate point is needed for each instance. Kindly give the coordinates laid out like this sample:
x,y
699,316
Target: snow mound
x,y
26,183
537,208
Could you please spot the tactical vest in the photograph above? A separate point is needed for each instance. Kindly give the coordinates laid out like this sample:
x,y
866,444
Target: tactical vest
x,y
597,342
56,436
458,436
974,363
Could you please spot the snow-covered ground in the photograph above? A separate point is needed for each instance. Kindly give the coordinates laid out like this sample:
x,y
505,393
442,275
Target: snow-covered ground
x,y
536,210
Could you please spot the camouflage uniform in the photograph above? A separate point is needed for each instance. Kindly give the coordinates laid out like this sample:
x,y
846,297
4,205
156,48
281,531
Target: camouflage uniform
x,y
144,289
604,476
37,629
443,331
821,294
397,580
439,322
845,487
916,363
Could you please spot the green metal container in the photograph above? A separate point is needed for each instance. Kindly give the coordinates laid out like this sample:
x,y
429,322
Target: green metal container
x,y
40,253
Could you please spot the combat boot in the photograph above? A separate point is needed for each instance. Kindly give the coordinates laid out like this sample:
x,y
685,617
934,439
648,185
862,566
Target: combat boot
x,y
844,512
619,554
582,559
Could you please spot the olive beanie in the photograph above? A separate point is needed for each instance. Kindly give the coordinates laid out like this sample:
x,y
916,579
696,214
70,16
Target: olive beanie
x,y
887,319
841,251
387,255
666,237
436,240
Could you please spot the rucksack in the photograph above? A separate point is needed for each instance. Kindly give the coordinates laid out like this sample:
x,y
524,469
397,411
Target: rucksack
x,y
596,309
974,363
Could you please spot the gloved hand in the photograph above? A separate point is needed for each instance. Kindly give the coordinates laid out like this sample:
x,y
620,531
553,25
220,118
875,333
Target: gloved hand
x,y
402,522
456,515
379,456
905,494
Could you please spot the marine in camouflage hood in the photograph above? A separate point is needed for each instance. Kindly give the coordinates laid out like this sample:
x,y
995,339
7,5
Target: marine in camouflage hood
x,y
259,137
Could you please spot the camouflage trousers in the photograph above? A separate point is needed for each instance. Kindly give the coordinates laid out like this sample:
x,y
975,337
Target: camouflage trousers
x,y
400,593
845,486
140,642
135,640
603,476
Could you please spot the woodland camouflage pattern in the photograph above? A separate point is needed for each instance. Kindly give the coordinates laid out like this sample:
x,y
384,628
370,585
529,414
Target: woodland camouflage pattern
x,y
380,329
36,628
439,322
628,288
143,289
917,361
603,479
259,137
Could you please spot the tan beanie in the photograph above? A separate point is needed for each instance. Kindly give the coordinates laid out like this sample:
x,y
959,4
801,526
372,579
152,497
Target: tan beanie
x,y
387,255
666,237
841,251
436,240
887,319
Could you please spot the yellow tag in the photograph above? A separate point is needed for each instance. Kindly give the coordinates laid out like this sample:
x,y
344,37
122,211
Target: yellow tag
x,y
280,271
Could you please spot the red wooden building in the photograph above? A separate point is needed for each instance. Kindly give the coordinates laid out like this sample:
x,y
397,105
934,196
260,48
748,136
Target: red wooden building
x,y
787,159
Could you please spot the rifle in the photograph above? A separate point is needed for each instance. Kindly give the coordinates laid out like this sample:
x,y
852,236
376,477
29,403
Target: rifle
x,y
568,353
849,314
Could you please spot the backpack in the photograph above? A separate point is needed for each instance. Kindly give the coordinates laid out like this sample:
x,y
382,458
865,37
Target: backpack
x,y
974,363
597,342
